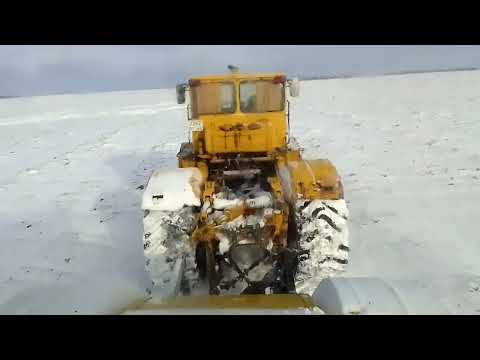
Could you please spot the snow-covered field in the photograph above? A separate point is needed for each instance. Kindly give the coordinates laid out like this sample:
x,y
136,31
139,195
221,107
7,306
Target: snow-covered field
x,y
70,220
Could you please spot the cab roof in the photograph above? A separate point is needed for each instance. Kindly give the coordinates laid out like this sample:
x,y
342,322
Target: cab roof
x,y
236,76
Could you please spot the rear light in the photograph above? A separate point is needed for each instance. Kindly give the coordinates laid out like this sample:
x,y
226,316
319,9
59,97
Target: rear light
x,y
279,79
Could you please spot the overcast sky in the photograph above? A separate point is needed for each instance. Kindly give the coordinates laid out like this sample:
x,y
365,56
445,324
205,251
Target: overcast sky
x,y
42,70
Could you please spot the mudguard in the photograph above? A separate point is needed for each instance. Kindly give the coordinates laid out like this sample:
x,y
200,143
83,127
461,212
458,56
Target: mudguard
x,y
310,179
170,190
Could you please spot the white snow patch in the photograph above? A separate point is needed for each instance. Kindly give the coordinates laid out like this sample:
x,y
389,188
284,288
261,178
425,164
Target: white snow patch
x,y
223,204
170,190
224,244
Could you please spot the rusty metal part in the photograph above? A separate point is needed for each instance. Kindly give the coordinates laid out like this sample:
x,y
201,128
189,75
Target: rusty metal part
x,y
235,174
242,159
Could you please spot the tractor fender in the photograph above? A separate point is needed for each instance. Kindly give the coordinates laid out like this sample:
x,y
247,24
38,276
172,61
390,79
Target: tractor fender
x,y
171,190
310,179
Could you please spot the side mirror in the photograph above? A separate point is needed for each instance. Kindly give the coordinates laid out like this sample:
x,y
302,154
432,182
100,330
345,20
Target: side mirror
x,y
294,87
181,88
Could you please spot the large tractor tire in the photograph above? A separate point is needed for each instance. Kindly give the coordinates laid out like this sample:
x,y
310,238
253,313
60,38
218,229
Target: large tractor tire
x,y
322,233
169,258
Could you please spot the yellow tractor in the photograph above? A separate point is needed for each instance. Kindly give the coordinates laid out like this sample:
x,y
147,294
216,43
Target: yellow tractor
x,y
243,213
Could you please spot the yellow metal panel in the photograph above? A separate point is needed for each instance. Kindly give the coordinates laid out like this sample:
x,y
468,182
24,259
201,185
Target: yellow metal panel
x,y
274,301
315,179
242,132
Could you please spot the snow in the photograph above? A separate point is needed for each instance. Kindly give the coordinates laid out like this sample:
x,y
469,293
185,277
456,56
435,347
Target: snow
x,y
224,204
172,189
259,199
73,165
224,243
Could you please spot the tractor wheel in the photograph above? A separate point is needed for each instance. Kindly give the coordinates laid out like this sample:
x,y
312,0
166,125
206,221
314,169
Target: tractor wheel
x,y
166,248
322,233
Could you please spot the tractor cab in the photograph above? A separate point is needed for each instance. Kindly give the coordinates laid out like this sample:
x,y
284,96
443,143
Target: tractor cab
x,y
238,112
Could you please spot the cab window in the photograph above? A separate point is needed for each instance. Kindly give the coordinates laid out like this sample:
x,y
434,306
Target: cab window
x,y
261,96
213,98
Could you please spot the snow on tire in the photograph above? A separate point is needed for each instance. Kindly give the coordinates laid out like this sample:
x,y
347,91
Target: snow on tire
x,y
167,248
323,234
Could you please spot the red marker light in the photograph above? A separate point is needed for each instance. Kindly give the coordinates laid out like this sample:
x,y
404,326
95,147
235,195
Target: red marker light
x,y
279,79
